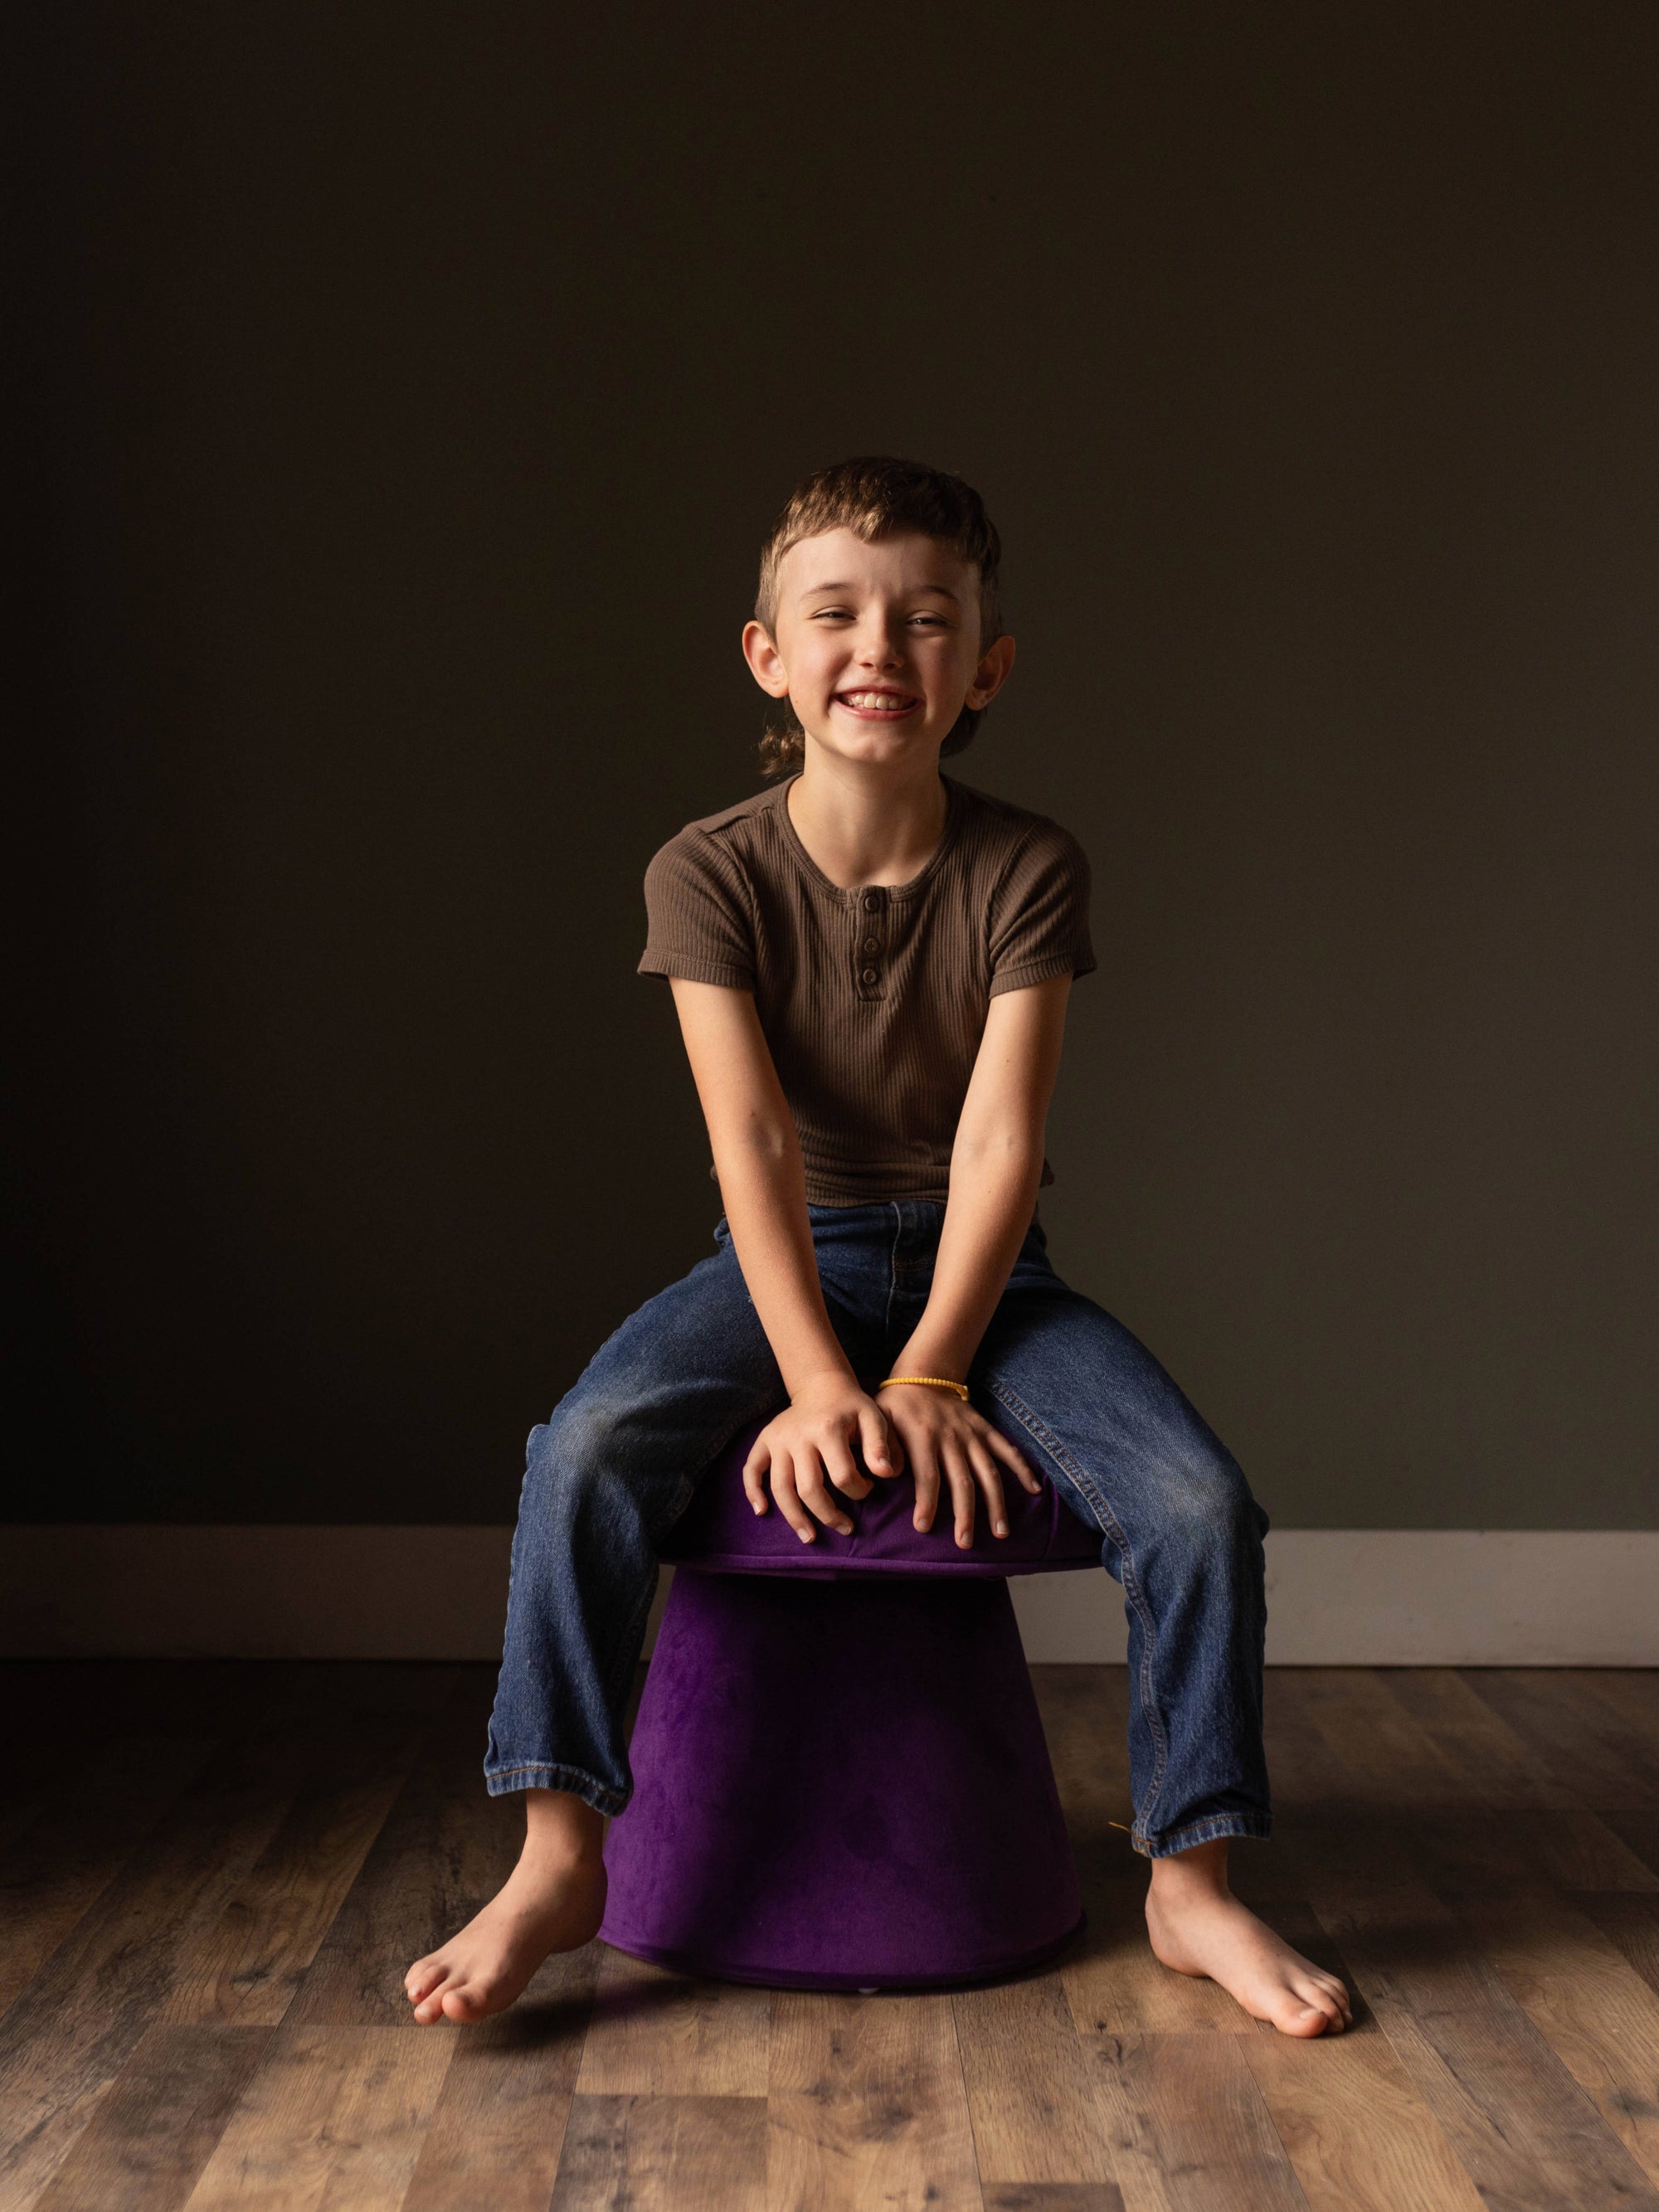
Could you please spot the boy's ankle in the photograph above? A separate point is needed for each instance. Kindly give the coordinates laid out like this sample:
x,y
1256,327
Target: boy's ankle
x,y
562,1829
1201,1871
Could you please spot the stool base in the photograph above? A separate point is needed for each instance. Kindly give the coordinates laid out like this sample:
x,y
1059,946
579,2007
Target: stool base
x,y
840,1785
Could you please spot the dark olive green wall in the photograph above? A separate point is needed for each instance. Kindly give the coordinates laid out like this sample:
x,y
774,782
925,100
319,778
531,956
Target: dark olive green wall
x,y
405,390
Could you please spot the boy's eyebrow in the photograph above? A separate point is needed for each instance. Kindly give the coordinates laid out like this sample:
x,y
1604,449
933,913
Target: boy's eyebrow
x,y
940,591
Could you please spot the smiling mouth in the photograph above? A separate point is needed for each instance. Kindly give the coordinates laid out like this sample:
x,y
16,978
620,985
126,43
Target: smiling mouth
x,y
889,705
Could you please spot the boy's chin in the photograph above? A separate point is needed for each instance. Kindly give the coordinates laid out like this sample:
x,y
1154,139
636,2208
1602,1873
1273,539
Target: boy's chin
x,y
909,740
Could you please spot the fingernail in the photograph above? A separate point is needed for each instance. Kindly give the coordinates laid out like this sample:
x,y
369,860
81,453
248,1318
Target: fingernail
x,y
1002,1527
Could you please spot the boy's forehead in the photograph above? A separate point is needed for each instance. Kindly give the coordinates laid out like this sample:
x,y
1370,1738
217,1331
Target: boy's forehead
x,y
842,556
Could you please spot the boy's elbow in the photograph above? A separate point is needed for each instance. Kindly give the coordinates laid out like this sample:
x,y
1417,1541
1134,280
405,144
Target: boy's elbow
x,y
760,1145
1007,1148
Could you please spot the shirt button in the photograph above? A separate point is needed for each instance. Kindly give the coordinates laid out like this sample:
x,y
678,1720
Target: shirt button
x,y
869,976
872,901
870,944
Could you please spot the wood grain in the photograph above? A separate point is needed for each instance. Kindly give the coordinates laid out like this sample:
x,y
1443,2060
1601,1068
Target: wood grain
x,y
1630,1922
1305,1773
1029,2097
1527,2134
443,1849
1592,2008
1567,1850
1639,1831
1188,2128
657,2034
155,2130
331,2122
1392,1764
1599,1757
71,2031
1356,2133
247,1965
1504,1769
59,1862
664,2154
868,2106
1052,2197
496,2134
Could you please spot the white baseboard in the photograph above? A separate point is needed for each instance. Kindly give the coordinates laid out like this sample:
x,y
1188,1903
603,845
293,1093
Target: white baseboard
x,y
1336,1597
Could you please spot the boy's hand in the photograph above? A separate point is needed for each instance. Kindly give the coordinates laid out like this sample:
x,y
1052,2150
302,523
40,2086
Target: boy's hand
x,y
947,1443
809,1445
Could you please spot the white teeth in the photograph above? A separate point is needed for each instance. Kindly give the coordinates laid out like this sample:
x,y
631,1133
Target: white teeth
x,y
877,702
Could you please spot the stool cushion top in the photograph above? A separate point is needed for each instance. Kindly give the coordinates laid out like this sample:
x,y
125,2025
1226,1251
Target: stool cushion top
x,y
720,1532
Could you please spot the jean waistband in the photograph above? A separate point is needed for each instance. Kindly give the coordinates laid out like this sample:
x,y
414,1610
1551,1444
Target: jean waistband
x,y
886,1221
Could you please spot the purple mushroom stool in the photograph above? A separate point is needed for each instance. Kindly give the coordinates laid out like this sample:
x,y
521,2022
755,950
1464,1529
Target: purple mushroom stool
x,y
841,1780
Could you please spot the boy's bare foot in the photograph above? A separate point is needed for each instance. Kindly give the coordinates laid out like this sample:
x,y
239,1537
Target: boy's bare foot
x,y
553,1900
1199,1927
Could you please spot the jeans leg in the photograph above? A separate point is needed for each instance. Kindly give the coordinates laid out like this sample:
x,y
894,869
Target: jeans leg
x,y
1096,1413
606,1476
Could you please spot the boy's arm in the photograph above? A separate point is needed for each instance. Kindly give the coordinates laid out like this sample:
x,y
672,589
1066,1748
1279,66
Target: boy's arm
x,y
763,1182
995,1165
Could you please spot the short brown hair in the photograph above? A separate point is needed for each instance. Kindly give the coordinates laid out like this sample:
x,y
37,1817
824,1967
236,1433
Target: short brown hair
x,y
876,496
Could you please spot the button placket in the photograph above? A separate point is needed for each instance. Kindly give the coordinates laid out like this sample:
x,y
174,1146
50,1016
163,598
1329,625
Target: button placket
x,y
868,944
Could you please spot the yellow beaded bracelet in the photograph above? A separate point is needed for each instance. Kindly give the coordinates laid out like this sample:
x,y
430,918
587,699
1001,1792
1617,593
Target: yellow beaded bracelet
x,y
934,1382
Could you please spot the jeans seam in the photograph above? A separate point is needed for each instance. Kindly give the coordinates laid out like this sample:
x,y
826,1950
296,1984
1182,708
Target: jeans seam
x,y
893,1268
1132,1588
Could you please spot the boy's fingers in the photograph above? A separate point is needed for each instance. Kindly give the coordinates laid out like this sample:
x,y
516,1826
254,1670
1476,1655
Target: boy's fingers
x,y
879,1455
810,1487
926,1488
845,1471
783,1488
991,1483
1012,1457
754,1472
958,1475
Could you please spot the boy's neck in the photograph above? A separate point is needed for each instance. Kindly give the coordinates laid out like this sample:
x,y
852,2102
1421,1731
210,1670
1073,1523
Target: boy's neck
x,y
859,828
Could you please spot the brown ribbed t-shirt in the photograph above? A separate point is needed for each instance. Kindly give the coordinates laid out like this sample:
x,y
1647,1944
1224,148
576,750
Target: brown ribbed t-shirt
x,y
872,1000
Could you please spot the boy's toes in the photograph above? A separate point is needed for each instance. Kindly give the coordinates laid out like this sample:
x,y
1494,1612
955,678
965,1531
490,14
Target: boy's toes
x,y
1325,1989
431,2007
1313,2013
422,1978
465,2002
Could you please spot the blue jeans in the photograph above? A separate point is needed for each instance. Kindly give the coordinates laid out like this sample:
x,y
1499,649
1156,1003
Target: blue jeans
x,y
1091,1408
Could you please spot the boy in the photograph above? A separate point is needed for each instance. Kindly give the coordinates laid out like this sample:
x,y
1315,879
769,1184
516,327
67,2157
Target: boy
x,y
871,962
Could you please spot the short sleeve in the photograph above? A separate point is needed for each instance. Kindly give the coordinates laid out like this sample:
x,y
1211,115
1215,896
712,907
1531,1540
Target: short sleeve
x,y
1040,912
697,915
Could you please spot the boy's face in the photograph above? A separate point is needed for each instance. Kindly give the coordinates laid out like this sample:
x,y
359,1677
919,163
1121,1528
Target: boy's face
x,y
877,646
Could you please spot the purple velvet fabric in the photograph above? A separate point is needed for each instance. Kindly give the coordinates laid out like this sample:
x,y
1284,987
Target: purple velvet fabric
x,y
840,1784
721,1532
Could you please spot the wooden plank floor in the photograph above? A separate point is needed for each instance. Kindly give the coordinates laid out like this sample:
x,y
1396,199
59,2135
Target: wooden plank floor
x,y
213,1876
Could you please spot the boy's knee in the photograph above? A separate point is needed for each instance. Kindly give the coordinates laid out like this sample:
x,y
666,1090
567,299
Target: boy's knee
x,y
1210,1505
567,1458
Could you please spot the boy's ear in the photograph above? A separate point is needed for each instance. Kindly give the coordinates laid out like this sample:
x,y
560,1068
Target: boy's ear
x,y
991,673
765,664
